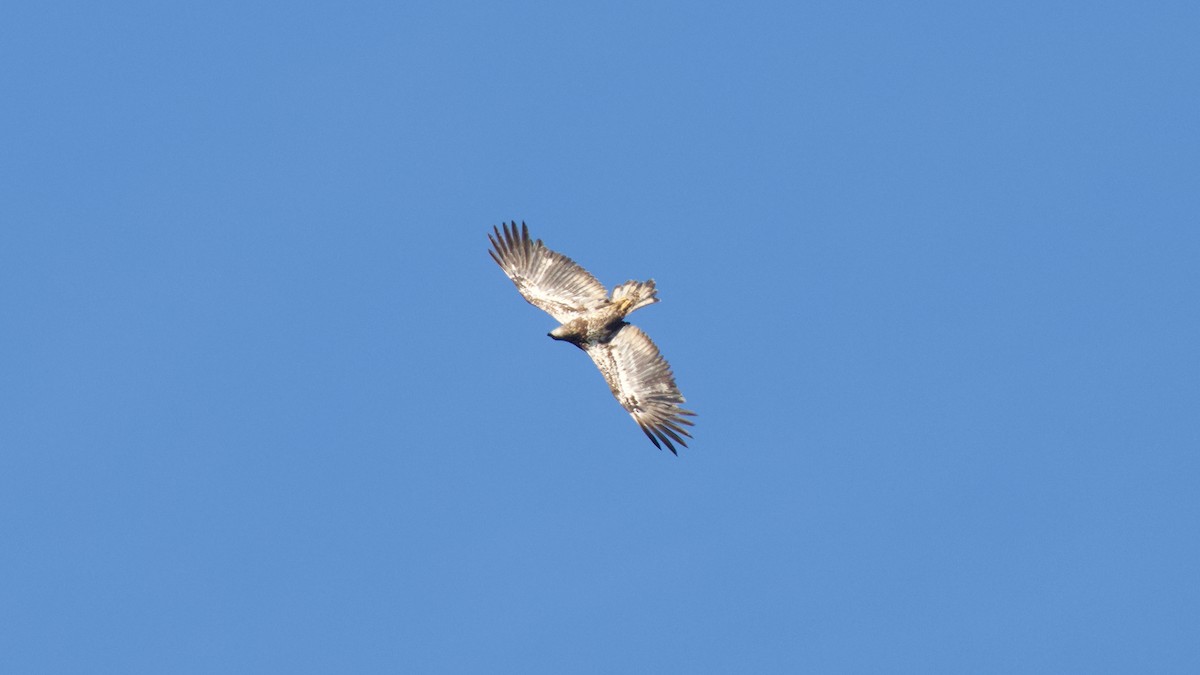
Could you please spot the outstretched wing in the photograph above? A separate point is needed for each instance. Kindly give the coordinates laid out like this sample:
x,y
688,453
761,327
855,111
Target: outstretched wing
x,y
549,281
641,380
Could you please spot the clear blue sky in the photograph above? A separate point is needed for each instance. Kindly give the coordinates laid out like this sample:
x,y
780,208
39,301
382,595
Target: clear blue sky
x,y
929,277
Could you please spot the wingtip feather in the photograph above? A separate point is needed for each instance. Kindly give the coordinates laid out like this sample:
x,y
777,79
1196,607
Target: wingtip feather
x,y
649,435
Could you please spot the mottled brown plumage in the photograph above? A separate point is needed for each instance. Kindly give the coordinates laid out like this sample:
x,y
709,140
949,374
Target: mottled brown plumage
x,y
639,377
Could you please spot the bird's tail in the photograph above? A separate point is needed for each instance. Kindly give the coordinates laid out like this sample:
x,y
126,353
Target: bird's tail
x,y
633,295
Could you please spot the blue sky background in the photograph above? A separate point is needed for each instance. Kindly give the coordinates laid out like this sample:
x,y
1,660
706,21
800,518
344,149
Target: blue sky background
x,y
929,277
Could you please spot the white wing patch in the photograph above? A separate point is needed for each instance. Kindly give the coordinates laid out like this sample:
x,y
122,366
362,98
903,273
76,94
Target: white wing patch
x,y
550,281
642,382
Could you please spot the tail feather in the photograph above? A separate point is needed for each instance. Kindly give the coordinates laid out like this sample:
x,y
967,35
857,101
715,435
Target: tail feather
x,y
636,294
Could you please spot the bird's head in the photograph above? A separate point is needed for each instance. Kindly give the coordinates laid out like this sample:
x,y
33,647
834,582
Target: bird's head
x,y
571,331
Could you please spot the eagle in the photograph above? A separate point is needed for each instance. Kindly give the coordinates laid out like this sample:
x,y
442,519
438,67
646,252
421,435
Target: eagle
x,y
594,321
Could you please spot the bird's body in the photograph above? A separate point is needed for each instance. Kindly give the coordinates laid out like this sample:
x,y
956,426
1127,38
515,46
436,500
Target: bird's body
x,y
606,318
594,321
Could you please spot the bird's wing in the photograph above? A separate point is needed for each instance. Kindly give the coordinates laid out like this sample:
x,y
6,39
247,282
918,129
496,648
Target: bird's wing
x,y
641,380
549,281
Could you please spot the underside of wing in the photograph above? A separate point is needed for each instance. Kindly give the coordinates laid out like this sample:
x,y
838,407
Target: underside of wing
x,y
549,281
641,380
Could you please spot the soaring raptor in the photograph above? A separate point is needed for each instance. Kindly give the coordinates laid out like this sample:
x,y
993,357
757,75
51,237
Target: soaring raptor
x,y
595,322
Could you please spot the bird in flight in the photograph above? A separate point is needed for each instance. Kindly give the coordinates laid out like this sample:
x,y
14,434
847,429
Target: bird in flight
x,y
594,321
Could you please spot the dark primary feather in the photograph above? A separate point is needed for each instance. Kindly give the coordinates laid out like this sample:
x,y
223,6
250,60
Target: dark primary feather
x,y
549,281
642,383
